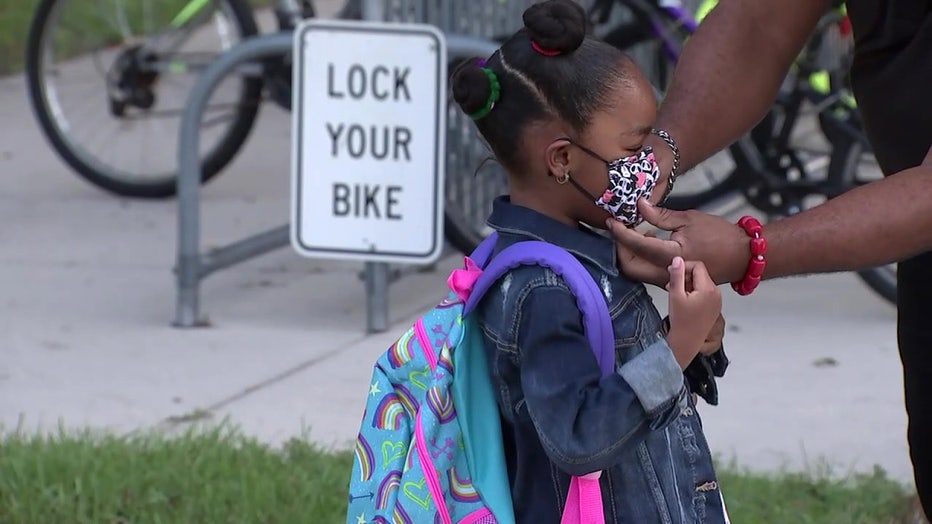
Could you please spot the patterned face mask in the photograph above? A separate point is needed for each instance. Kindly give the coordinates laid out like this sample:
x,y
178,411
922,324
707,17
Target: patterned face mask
x,y
629,179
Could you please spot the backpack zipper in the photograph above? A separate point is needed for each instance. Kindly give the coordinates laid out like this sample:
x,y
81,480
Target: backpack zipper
x,y
421,332
430,472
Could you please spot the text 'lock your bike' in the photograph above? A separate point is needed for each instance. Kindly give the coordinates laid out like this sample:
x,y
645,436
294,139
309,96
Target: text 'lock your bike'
x,y
379,83
370,126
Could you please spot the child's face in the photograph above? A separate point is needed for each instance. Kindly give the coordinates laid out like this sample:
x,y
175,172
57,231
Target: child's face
x,y
616,132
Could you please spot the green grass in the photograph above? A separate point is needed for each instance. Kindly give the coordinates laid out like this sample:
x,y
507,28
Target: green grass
x,y
91,21
14,26
215,476
219,476
798,498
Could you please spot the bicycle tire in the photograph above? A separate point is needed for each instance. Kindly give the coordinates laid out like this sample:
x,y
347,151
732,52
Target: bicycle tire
x,y
115,182
463,232
882,281
845,159
729,185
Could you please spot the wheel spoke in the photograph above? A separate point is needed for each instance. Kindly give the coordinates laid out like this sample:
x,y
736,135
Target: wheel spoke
x,y
108,104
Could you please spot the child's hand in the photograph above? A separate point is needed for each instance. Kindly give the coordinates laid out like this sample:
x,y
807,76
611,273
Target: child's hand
x,y
713,341
692,313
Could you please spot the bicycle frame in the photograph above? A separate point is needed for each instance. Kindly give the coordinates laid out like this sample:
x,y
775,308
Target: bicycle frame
x,y
195,13
676,13
683,18
763,154
192,15
188,12
634,32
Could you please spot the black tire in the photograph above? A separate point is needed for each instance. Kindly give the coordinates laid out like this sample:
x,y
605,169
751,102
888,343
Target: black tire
x,y
463,228
882,280
727,186
165,185
848,146
846,155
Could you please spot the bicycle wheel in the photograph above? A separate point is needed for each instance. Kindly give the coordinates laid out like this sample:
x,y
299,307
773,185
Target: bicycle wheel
x,y
852,163
857,166
882,280
108,83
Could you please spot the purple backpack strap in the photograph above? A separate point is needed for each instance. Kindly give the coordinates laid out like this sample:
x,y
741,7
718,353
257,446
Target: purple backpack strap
x,y
483,252
596,319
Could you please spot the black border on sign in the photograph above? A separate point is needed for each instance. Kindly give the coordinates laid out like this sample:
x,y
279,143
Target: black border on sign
x,y
441,101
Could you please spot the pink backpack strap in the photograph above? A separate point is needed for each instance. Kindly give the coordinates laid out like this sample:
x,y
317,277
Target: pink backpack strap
x,y
584,501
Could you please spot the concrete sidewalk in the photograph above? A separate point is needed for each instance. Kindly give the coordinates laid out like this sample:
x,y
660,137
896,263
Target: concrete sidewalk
x,y
86,300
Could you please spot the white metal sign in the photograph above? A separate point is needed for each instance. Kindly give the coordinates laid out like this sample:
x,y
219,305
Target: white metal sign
x,y
369,122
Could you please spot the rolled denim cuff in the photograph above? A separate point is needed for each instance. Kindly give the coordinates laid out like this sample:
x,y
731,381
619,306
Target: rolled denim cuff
x,y
655,377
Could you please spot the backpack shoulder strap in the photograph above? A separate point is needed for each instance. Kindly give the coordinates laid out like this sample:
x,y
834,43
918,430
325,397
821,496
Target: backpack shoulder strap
x,y
483,252
596,319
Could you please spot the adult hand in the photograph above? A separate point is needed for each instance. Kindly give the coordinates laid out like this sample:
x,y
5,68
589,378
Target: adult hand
x,y
722,246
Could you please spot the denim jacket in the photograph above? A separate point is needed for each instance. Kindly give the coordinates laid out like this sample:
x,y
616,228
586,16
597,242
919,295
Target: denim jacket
x,y
560,418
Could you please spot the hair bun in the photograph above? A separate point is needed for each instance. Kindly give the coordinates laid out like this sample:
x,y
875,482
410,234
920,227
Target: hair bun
x,y
471,87
556,25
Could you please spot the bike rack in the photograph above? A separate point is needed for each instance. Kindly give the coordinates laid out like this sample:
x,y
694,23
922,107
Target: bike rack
x,y
192,265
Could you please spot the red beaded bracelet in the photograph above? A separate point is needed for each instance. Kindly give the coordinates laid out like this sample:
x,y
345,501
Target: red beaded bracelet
x,y
756,266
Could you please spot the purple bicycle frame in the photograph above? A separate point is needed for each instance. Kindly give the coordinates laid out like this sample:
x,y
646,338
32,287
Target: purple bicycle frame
x,y
681,16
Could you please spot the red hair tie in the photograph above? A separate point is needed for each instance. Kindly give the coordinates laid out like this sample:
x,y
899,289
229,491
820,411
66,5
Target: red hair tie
x,y
541,50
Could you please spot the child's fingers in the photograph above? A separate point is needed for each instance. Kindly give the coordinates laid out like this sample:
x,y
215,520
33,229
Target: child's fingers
x,y
710,346
677,285
700,276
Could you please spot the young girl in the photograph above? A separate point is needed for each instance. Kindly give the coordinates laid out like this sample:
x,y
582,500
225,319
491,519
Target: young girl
x,y
557,108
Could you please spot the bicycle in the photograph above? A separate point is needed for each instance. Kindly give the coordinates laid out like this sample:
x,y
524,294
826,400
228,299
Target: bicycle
x,y
651,35
134,54
764,167
135,50
140,58
138,64
770,172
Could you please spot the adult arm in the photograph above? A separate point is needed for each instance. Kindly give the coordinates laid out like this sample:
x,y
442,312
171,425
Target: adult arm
x,y
878,223
728,75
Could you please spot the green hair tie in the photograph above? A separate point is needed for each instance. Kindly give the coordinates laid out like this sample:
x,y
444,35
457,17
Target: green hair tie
x,y
495,92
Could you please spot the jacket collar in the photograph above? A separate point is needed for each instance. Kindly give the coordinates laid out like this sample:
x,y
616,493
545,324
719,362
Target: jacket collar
x,y
582,241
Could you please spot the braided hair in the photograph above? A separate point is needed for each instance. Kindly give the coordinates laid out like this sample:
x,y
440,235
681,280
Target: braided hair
x,y
549,69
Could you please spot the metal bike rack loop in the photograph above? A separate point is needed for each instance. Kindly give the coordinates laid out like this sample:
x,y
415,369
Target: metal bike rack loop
x,y
193,266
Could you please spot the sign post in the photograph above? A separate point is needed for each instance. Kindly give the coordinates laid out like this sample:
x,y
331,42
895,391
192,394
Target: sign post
x,y
369,126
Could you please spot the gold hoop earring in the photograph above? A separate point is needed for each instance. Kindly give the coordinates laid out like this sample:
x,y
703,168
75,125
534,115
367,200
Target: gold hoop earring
x,y
563,179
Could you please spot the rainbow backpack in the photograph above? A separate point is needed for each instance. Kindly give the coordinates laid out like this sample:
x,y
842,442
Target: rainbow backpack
x,y
430,449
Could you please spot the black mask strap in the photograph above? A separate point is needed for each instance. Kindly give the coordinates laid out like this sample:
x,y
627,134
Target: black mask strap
x,y
586,150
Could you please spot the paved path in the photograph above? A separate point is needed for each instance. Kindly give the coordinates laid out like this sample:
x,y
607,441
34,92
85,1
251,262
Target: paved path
x,y
86,298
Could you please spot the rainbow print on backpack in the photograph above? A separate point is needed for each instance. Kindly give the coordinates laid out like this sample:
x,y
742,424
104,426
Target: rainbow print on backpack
x,y
429,449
